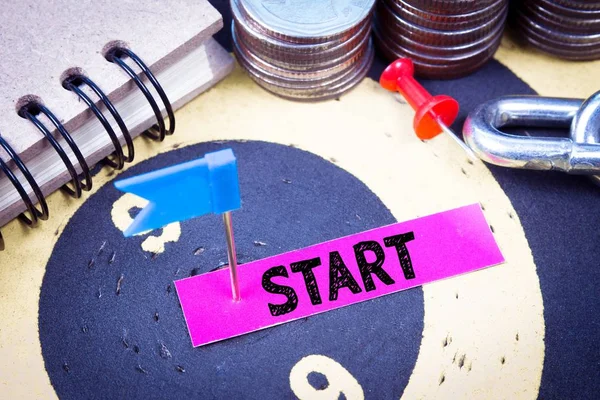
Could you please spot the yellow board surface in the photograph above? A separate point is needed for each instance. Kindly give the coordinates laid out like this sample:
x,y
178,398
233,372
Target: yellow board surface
x,y
237,109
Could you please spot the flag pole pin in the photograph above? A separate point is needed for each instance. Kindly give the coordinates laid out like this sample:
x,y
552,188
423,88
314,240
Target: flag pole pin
x,y
232,257
188,190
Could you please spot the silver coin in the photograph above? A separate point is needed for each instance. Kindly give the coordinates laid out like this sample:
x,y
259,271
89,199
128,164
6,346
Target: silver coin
x,y
263,39
440,49
569,24
302,21
299,54
444,38
303,75
566,11
332,90
579,4
558,47
593,47
565,29
303,49
293,83
573,55
441,59
301,62
469,19
430,71
386,16
561,37
450,6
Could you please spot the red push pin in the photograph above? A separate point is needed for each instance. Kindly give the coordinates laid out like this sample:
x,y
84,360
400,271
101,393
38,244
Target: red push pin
x,y
433,113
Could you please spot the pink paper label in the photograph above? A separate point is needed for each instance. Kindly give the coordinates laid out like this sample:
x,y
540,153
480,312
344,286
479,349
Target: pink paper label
x,y
337,273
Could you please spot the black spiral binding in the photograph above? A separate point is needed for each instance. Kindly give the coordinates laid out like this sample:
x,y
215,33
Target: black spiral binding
x,y
32,110
115,55
34,213
73,83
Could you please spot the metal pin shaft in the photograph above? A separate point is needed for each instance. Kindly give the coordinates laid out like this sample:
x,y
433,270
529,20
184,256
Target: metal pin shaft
x,y
462,144
233,271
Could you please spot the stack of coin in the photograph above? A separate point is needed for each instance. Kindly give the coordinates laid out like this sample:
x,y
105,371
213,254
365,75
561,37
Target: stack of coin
x,y
568,29
444,38
304,49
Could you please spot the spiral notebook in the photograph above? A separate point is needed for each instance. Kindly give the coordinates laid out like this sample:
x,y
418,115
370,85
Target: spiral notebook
x,y
81,79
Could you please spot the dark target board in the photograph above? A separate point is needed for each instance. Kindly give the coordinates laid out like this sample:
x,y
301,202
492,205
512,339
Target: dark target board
x,y
88,313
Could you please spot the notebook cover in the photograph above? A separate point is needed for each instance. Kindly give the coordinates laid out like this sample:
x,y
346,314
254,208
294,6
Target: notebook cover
x,y
211,64
40,42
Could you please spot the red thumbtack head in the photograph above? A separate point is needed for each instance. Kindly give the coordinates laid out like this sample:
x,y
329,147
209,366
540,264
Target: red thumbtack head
x,y
430,110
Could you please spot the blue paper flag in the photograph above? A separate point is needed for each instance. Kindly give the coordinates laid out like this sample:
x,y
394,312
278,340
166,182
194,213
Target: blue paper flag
x,y
185,191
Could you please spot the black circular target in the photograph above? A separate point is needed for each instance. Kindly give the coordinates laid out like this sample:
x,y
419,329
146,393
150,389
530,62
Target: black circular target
x,y
111,326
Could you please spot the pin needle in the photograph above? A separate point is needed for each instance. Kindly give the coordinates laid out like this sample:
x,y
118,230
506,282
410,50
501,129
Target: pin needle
x,y
231,255
462,144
